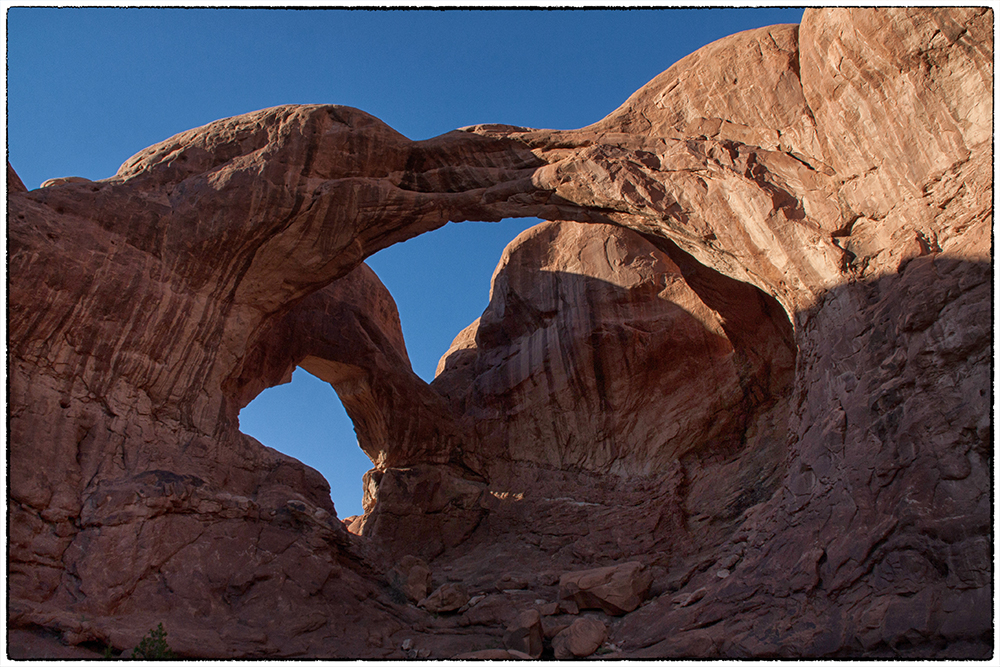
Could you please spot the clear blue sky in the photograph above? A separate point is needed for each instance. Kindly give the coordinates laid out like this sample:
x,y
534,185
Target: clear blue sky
x,y
88,88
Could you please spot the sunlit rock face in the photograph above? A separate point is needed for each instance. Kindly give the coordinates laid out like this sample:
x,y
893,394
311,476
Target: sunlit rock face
x,y
817,195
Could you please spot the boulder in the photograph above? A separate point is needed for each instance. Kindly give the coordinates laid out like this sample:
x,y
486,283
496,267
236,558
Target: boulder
x,y
549,609
584,636
568,607
525,634
552,627
511,582
413,578
490,610
616,589
473,601
447,597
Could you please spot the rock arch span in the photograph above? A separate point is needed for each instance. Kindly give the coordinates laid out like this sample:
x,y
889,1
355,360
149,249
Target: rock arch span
x,y
870,228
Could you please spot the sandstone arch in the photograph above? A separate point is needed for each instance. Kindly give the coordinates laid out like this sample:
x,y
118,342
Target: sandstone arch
x,y
348,334
870,228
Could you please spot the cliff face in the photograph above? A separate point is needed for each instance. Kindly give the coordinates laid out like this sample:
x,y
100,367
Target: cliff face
x,y
762,370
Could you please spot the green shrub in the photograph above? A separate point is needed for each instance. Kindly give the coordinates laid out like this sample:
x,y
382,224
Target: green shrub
x,y
154,647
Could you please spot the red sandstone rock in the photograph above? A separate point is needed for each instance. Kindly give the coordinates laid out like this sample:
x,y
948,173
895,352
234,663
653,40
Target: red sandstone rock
x,y
595,353
617,589
423,509
447,597
823,194
551,628
413,577
14,183
525,634
353,523
583,637
511,582
701,96
65,179
549,609
495,610
349,335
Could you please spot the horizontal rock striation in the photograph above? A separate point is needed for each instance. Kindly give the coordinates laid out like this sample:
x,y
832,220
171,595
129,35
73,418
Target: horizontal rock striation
x,y
762,371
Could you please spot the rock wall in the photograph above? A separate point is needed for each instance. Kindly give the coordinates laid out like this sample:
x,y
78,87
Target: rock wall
x,y
816,195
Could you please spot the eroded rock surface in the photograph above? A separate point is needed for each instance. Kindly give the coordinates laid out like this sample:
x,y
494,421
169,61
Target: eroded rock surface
x,y
816,197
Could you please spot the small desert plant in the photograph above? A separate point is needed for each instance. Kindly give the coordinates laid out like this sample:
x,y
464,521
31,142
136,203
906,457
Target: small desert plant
x,y
396,593
154,647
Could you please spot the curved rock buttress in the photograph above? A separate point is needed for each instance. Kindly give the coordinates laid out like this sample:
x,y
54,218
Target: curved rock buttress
x,y
887,472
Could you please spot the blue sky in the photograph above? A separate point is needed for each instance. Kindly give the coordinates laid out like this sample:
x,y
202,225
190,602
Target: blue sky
x,y
88,88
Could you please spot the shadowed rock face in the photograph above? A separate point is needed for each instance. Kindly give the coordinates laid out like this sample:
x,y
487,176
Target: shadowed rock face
x,y
816,195
595,354
349,335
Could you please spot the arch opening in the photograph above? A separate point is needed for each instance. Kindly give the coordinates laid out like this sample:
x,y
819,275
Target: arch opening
x,y
347,340
305,419
350,335
440,282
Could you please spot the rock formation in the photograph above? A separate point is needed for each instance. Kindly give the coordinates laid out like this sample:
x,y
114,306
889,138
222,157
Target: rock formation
x,y
761,371
596,354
